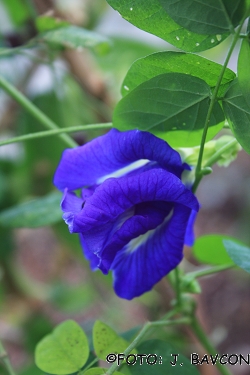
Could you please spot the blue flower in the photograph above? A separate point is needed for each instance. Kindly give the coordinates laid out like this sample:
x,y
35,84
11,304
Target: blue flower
x,y
134,213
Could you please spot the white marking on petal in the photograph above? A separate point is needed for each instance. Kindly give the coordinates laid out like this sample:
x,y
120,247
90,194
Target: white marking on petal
x,y
125,170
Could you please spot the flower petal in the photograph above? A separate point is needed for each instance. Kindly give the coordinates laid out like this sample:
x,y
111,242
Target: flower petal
x,y
136,272
115,196
85,165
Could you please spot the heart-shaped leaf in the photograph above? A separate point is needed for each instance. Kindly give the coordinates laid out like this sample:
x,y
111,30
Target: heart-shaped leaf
x,y
64,351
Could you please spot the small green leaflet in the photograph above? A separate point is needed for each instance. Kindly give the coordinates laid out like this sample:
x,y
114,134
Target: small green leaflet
x,y
239,254
33,214
237,112
150,16
175,62
243,69
172,105
76,37
205,16
64,351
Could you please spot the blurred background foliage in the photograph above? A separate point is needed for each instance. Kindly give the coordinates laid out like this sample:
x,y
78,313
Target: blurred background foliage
x,y
75,79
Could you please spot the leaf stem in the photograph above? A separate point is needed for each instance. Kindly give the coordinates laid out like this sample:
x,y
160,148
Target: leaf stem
x,y
5,360
201,335
142,333
198,173
47,133
208,271
33,110
220,152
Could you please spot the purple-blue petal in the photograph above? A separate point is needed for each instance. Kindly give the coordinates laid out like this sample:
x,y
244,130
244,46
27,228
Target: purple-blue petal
x,y
137,271
86,165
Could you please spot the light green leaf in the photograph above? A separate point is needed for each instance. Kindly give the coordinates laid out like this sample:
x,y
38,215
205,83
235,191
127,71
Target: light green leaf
x,y
64,351
106,340
243,69
17,10
33,214
175,62
76,38
209,249
239,254
172,106
149,15
237,112
205,17
45,23
99,371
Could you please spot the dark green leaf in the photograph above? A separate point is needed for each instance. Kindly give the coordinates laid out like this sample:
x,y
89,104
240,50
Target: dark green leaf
x,y
209,249
243,69
64,351
33,214
205,16
172,106
149,15
163,351
237,112
239,254
179,62
76,38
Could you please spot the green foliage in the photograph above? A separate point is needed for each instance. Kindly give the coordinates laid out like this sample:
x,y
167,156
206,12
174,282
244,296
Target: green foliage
x,y
64,351
209,249
237,111
149,15
243,69
172,104
106,340
239,254
99,371
76,38
205,17
163,351
174,62
45,23
33,214
18,11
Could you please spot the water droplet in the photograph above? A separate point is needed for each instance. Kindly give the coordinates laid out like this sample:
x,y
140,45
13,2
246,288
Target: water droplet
x,y
197,44
218,37
177,38
131,8
126,88
212,40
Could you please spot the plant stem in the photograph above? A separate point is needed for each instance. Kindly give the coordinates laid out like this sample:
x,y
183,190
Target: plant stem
x,y
5,360
33,110
142,333
47,133
177,286
198,173
221,151
209,271
201,335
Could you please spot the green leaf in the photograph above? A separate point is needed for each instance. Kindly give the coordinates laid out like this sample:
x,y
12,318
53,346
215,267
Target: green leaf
x,y
45,23
149,15
237,112
239,254
76,37
178,62
209,249
243,69
99,371
17,10
205,16
162,351
106,340
33,214
64,351
172,106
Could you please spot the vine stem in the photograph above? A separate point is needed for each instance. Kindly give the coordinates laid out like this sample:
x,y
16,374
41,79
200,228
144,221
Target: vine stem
x,y
209,271
202,337
33,110
198,173
47,133
5,360
143,332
